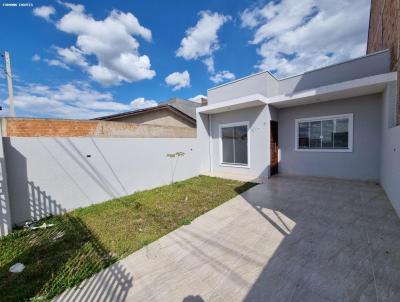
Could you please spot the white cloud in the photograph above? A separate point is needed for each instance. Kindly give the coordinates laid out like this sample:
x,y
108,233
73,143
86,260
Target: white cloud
x,y
221,76
79,8
103,75
296,36
178,80
111,41
201,41
72,55
198,98
58,63
72,100
210,64
44,12
142,103
35,57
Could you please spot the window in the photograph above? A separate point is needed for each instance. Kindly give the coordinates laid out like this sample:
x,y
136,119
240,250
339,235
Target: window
x,y
234,144
328,133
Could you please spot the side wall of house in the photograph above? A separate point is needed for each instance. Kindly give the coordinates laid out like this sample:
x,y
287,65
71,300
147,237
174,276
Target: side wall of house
x,y
258,140
390,157
362,163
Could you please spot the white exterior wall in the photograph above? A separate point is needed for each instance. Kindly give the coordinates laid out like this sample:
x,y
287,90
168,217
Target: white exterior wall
x,y
390,155
258,140
54,175
204,141
369,65
362,163
262,83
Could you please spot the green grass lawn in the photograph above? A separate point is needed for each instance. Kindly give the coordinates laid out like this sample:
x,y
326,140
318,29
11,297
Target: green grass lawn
x,y
89,239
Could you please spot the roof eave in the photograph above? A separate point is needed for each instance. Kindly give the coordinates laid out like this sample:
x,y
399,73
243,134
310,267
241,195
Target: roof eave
x,y
145,110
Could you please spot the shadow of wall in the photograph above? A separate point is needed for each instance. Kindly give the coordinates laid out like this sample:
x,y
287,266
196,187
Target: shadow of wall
x,y
77,244
64,255
323,253
48,176
110,284
193,298
5,212
27,200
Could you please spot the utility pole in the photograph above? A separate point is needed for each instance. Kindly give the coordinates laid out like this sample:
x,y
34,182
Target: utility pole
x,y
9,84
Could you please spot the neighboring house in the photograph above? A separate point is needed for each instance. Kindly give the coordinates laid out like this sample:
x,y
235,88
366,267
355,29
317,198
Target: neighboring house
x,y
384,33
336,121
175,112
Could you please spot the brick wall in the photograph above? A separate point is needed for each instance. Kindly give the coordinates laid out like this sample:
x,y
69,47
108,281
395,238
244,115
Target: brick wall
x,y
384,33
25,127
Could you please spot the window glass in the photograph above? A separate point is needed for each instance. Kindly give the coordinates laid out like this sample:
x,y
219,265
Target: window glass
x,y
227,145
324,134
240,145
315,135
304,139
234,145
341,136
327,133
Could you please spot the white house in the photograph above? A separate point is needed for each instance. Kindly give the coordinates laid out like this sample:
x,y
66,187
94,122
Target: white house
x,y
336,121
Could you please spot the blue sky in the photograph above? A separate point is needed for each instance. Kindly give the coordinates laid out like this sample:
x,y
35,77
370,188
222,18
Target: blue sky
x,y
87,59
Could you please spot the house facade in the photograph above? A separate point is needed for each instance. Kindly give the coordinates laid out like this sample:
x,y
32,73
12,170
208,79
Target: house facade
x,y
329,122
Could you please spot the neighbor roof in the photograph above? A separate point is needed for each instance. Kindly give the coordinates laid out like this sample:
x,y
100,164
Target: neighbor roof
x,y
184,108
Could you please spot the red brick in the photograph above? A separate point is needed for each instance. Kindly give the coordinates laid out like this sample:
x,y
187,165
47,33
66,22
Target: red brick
x,y
384,33
25,127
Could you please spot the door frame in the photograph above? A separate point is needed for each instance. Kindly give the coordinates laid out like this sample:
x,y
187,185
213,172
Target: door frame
x,y
273,148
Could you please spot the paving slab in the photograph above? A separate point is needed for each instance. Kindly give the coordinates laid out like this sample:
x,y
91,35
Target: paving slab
x,y
288,239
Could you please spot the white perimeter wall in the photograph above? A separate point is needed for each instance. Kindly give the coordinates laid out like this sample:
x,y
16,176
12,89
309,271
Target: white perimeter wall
x,y
54,175
390,155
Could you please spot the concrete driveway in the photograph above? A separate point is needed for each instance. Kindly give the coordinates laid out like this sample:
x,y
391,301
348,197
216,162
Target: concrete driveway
x,y
290,239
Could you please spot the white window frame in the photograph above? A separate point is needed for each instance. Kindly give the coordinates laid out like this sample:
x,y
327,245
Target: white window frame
x,y
349,116
221,126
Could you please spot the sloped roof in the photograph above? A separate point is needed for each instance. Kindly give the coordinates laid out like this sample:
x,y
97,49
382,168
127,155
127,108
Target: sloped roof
x,y
184,108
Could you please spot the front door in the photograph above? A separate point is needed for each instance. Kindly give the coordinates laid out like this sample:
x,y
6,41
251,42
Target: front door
x,y
273,147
